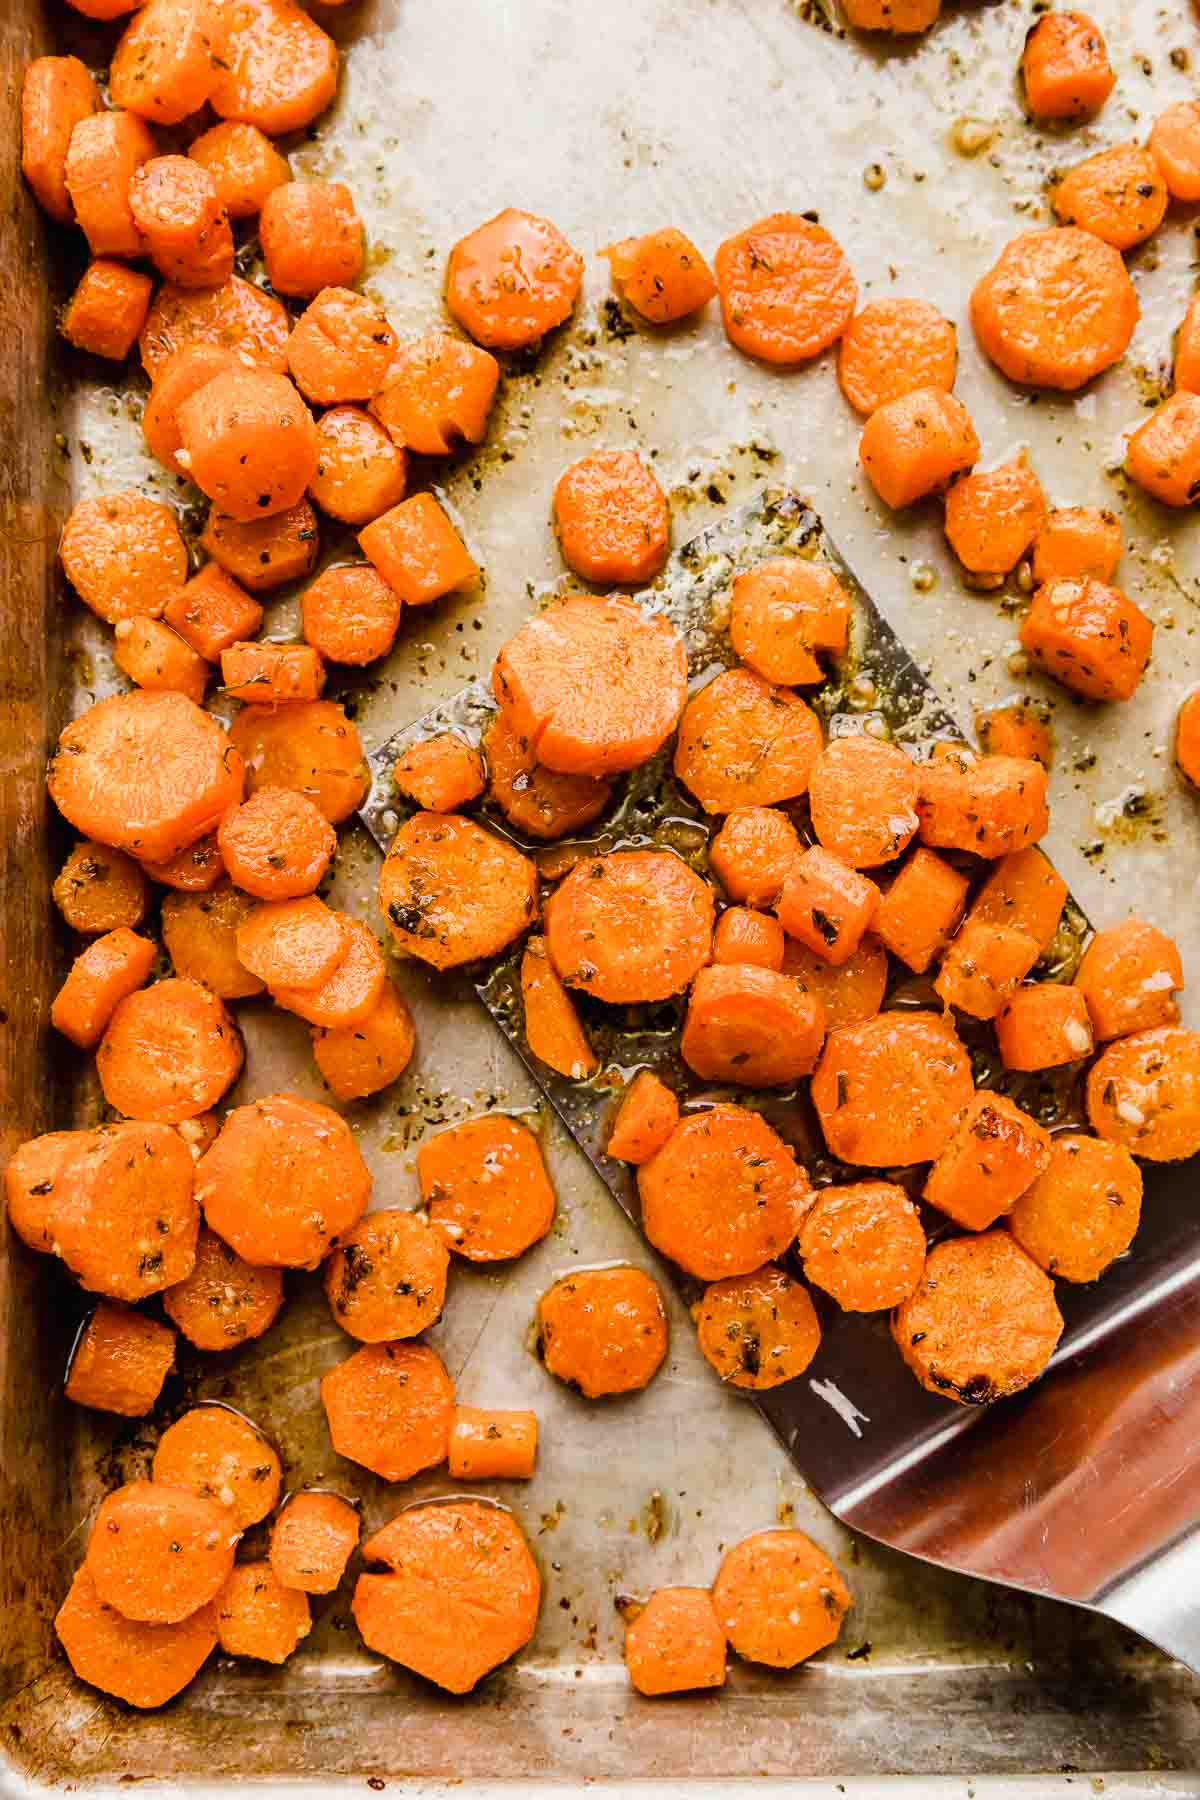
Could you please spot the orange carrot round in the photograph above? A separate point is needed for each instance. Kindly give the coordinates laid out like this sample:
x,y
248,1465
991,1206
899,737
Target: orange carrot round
x,y
281,69
1186,745
350,615
1129,975
1163,454
235,316
743,742
1144,1092
352,992
361,473
390,1408
1019,729
123,555
982,1324
167,62
33,1173
244,164
862,1069
759,1329
512,280
311,747
662,275
612,519
990,805
105,151
539,802
1082,1211
197,869
200,936
1187,353
1044,1026
264,553
220,1455
224,1302
676,1644
99,889
603,1331
387,1278
892,347
107,310
1174,143
184,227
341,348
753,852
257,1616
486,1187
863,1245
1089,636
120,1361
992,517
144,1665
437,390
1056,309
863,795
277,845
312,237
633,926
783,611
787,290
108,1206
417,550
312,1540
645,1118
111,967
779,1598
913,446
169,1053
157,1553
750,1025
452,892
56,93
357,1060
1075,542
849,992
993,1154
250,443
440,773
1118,195
180,375
291,943
1065,67
157,658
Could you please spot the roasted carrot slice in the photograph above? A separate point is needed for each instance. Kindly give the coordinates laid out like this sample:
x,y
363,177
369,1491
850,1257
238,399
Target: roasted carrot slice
x,y
440,773
539,802
387,1278
1056,309
452,892
891,348
645,1118
783,611
312,1539
1163,455
1044,1026
1065,67
1144,1092
310,746
787,290
1186,748
157,1554
914,445
1129,976
982,1324
358,1060
122,1214
826,905
920,911
676,1644
180,375
272,674
158,659
234,316
99,889
1187,354
1019,729
462,1595
120,1361
900,18
1075,542
743,742
612,519
283,1181
144,1665
992,517
200,936
105,152
390,1407
244,164
863,1245
1174,143
351,993
107,310
552,1028
169,1053
56,93
350,615
633,926
145,772
224,1302
995,1152
282,69
417,551
1119,195
512,280
753,852
169,59
1024,890
291,943
759,1329
603,1331
218,1454
984,967
257,1616
264,553
196,870
662,275
724,1194
277,845
437,391
486,1187
849,992
593,686
341,347
778,1598
31,1179
123,555
184,227
312,237
111,967
862,794
360,472
1089,636
249,443
1083,1211
487,1444
746,936
990,805
862,1069
751,1025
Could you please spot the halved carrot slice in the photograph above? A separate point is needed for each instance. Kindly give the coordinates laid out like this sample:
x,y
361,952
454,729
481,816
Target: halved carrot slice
x,y
120,1362
440,773
646,1116
746,936
101,976
211,611
995,1153
552,1028
849,992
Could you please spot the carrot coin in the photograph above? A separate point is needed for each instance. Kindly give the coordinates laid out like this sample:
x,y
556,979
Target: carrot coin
x,y
111,967
281,68
350,614
56,93
438,390
168,60
646,1116
863,797
914,445
341,348
982,1324
277,845
633,926
1118,195
211,611
352,992
33,1174
224,1302
390,1408
1129,975
105,151
1186,748
358,1060
992,517
250,443
779,1598
1056,309
758,1329
753,852
144,1665
892,347
850,991
675,1645
1044,1026
123,555
200,936
750,1025
221,1456
662,275
257,1616
122,1214
196,870
746,936
603,1331
993,1154
312,1539
862,1069
1089,636
291,943
235,316
158,1553
983,967
1163,455
170,1052
312,237
512,280
1083,1211
360,474
783,612
120,1361
724,1194
1144,1092
184,227
990,805
107,310
863,1245
787,290
1077,541
612,519
1065,67
552,1028
99,889
311,747
487,1444
486,1187
452,892
1174,143
743,742
244,165
387,1278
440,773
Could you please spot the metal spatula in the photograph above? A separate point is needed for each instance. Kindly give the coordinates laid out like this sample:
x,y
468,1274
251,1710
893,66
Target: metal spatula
x,y
1087,1486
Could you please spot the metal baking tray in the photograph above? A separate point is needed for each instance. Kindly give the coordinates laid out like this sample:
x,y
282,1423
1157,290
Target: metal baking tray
x,y
708,113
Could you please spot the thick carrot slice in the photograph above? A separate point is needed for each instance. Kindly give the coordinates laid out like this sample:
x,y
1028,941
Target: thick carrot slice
x,y
452,892
1129,976
257,1616
778,1598
1023,890
390,1407
863,796
745,936
360,472
849,992
244,164
235,316
863,1068
417,551
169,1053
891,348
312,1539
751,1025
312,237
662,275
676,1644
122,1214
603,1331
282,68
169,59
1144,1092
158,659
984,967
1119,195
633,926
266,552
1082,1211
1174,143
120,1361
196,870
283,1182
645,1118
1186,748
56,93
903,18
180,375
291,943
1163,455
863,1245
351,993
107,310
145,772
490,1445
123,555
31,1179
782,612
144,1665
593,686
224,1302
341,348
159,1553
995,1153
361,1059
438,390
272,674
993,517
218,1454
249,443
486,1187
277,845
185,228
914,445
982,1324
787,290
1044,1026
350,615
724,1194
612,519
111,967
1065,67
920,911
1056,309
462,1597
512,280
990,805
1074,542
759,1329
1019,729
743,742
440,773
387,1278
311,746
1089,636
105,152
99,889
826,906
1187,351
753,852
552,1028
